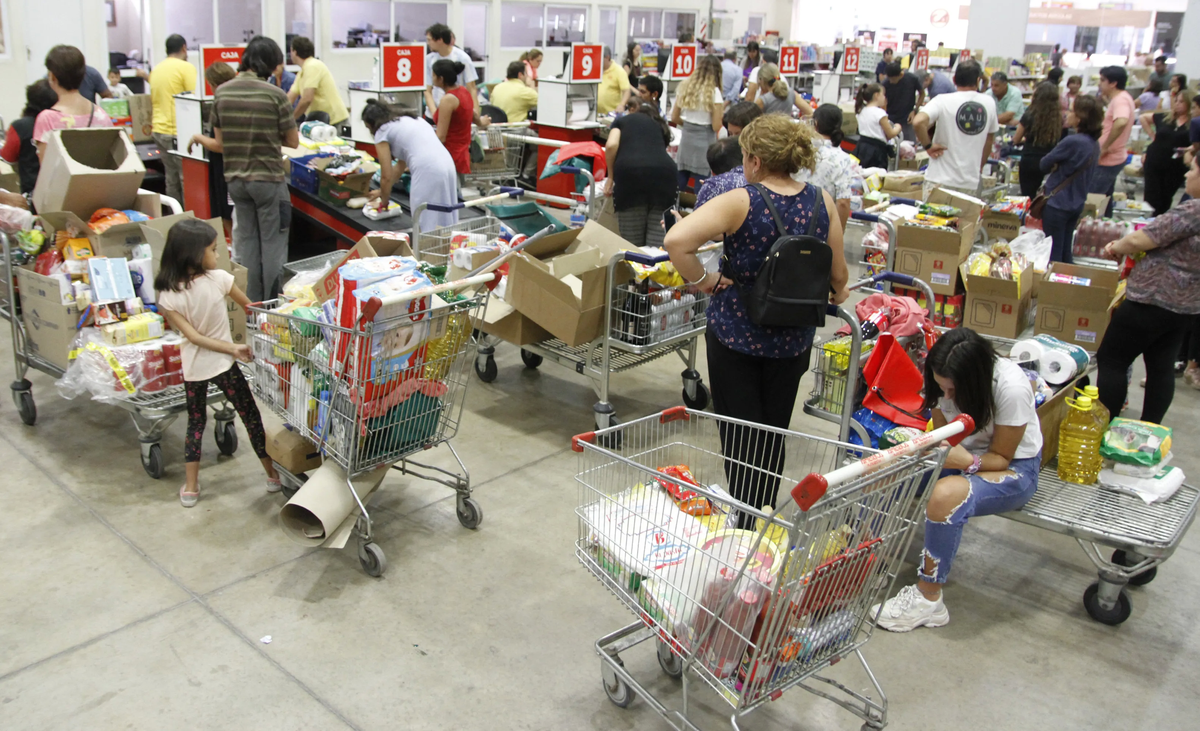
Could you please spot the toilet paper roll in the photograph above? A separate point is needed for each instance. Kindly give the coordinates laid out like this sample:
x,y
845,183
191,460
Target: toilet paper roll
x,y
1027,354
1054,360
322,511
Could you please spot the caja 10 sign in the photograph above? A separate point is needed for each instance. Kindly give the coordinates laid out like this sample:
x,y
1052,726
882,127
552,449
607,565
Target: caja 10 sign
x,y
402,66
683,61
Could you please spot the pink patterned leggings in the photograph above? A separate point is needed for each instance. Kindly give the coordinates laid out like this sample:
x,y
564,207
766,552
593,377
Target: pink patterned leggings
x,y
235,388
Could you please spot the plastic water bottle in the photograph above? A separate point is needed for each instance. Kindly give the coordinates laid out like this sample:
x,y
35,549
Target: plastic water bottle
x,y
1098,409
578,216
1079,443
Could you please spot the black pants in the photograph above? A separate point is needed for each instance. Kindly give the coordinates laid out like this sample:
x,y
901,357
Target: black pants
x,y
871,153
1059,225
1031,173
1163,181
760,391
1153,333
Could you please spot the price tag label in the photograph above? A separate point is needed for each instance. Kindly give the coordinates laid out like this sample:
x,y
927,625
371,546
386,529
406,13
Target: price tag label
x,y
850,60
402,66
586,61
789,60
683,61
209,55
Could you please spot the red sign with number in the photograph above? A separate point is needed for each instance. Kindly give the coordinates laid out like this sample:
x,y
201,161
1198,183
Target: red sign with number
x,y
586,60
850,61
789,60
683,61
963,54
921,63
402,66
209,55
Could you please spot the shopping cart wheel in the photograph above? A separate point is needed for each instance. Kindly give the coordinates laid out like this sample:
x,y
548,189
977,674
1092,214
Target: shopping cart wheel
x,y
370,555
617,690
227,439
488,372
1121,559
1119,612
153,464
469,513
612,440
700,402
670,663
531,360
26,407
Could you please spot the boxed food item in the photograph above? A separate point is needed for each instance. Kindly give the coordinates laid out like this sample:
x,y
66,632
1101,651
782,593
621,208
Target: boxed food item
x,y
933,254
904,181
998,306
141,114
1077,313
84,170
146,326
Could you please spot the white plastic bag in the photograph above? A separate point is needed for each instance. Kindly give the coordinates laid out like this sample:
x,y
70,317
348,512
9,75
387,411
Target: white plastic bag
x,y
1035,245
13,219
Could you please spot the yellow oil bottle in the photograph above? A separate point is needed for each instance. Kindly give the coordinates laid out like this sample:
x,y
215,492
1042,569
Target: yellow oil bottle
x,y
1079,443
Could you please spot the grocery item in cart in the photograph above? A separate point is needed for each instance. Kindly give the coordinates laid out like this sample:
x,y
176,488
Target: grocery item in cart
x,y
1079,444
688,501
1054,360
145,326
643,529
361,273
1136,442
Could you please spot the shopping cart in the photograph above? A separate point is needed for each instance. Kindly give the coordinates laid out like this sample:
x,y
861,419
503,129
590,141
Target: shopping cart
x,y
504,155
881,257
995,186
151,413
751,613
386,384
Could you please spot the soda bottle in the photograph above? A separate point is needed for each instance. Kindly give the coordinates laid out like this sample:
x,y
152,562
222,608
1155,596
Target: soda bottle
x,y
875,323
1079,443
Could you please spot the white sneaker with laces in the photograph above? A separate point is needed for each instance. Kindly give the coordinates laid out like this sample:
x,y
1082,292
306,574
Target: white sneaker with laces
x,y
910,609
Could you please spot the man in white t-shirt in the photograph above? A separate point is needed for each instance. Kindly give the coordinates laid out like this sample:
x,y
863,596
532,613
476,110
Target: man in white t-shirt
x,y
966,125
441,45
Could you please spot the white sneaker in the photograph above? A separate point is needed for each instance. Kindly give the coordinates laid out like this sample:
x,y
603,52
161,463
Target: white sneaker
x,y
910,609
274,485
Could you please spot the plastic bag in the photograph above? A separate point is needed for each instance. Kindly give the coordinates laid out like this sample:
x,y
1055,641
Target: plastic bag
x,y
112,373
1035,247
301,286
13,219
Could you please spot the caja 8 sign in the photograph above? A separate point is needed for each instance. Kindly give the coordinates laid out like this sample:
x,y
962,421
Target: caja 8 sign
x,y
402,66
586,61
683,61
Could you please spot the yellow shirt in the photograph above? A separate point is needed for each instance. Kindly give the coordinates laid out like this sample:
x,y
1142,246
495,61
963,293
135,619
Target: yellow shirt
x,y
314,74
514,99
613,83
170,77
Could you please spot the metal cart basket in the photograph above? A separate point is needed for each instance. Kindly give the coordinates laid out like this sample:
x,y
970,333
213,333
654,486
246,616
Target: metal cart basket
x,y
755,610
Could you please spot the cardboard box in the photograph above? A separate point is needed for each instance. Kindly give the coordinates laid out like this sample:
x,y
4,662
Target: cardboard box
x,y
50,326
237,316
1076,313
1095,206
934,255
502,321
560,282
919,162
9,179
141,114
119,240
998,307
368,246
307,172
849,119
904,182
84,170
291,451
1005,226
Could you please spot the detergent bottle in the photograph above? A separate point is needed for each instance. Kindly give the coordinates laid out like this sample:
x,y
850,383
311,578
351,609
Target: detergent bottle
x,y
1079,443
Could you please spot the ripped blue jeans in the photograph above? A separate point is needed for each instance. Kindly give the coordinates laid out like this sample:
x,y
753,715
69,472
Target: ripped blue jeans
x,y
985,497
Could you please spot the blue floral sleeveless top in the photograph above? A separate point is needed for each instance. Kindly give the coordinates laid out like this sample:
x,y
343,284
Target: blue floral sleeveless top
x,y
746,250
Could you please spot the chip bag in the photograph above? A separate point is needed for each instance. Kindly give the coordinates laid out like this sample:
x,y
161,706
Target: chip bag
x,y
687,500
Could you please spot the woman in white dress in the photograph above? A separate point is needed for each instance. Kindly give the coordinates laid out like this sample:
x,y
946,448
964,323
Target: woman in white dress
x,y
414,146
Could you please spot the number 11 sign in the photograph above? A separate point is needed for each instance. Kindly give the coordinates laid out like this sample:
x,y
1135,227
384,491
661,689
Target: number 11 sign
x,y
402,66
586,61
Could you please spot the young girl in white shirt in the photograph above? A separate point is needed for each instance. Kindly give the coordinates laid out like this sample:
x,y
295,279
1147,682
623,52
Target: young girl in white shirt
x,y
875,130
191,295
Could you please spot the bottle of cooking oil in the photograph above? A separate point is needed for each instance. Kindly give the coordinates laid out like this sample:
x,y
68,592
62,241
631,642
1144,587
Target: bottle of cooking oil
x,y
1099,410
1079,443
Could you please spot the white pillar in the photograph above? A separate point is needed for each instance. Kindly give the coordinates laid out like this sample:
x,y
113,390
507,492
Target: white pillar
x,y
1187,46
997,27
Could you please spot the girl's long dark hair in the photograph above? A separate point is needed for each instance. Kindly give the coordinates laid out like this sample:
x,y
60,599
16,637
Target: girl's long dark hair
x,y
183,256
375,114
1046,110
967,359
866,93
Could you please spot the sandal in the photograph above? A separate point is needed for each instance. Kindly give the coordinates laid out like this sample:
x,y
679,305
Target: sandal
x,y
188,499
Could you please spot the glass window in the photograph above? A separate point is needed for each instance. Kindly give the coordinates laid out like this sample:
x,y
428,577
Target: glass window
x,y
192,19
565,25
298,19
676,24
240,20
756,25
521,25
644,23
474,40
608,30
359,23
413,18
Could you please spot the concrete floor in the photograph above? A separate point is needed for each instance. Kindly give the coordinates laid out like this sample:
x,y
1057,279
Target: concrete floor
x,y
120,609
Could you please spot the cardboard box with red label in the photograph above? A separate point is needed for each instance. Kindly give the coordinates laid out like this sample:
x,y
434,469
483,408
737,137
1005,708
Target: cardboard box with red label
x,y
999,307
1078,313
933,255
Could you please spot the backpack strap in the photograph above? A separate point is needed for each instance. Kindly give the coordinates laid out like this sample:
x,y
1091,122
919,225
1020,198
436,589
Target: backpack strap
x,y
812,222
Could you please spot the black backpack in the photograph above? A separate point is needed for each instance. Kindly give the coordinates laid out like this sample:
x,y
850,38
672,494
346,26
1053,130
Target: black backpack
x,y
791,288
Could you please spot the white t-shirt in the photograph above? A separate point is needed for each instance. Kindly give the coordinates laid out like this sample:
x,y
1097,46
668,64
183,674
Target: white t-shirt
x,y
966,119
868,123
202,304
1014,407
466,77
701,116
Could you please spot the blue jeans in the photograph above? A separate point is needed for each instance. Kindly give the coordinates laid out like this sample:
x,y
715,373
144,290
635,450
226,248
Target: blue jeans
x,y
1060,225
985,497
1104,182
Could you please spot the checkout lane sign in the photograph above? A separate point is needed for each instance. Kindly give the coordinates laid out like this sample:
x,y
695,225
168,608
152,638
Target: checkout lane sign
x,y
209,55
850,60
683,61
586,59
402,66
921,63
789,60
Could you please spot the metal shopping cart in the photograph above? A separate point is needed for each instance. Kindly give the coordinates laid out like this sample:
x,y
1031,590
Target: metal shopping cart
x,y
151,413
386,384
995,186
504,155
750,612
881,256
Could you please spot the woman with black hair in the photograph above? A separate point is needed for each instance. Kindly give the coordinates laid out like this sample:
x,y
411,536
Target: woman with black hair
x,y
19,146
632,63
643,176
1169,131
414,146
753,60
454,113
1039,130
994,470
835,168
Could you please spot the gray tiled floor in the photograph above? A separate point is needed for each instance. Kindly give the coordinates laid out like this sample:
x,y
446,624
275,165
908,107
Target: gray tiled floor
x,y
119,609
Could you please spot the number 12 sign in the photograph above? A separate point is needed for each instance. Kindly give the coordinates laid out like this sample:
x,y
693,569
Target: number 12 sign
x,y
683,61
850,60
586,61
789,60
402,66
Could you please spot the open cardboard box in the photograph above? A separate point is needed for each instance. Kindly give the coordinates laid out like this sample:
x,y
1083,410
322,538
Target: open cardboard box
x,y
120,239
84,170
904,181
502,321
1076,313
998,307
291,451
934,255
560,281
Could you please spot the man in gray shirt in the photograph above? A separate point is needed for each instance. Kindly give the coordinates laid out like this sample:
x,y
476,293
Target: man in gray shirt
x,y
731,77
935,82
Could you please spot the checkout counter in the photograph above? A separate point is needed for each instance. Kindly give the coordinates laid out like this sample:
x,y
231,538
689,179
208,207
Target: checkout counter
x,y
566,111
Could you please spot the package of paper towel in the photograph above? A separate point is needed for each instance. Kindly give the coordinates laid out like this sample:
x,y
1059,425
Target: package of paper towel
x,y
1051,358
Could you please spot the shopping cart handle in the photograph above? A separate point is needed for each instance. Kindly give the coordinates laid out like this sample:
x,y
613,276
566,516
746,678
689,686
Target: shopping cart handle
x,y
445,209
812,488
638,257
570,170
864,216
905,201
906,280
505,192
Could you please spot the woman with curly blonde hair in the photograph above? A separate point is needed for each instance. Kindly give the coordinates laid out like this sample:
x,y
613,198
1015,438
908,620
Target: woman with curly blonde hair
x,y
698,113
755,371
